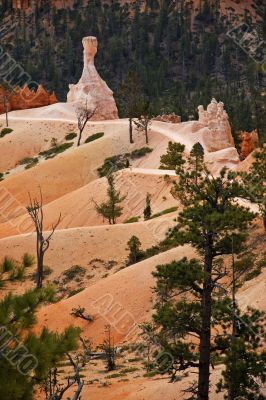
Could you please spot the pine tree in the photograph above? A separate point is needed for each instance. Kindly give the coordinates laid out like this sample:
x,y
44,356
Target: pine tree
x,y
134,247
26,358
186,327
111,209
147,210
255,182
244,361
173,157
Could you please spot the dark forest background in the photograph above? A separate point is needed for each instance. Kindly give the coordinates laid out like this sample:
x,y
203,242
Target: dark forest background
x,y
181,58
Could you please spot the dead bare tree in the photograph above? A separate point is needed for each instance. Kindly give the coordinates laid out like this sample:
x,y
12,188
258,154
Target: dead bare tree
x,y
55,389
109,349
79,312
84,114
35,211
5,95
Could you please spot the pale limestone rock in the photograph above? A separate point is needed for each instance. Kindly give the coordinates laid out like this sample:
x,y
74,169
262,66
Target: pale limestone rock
x,y
216,131
91,89
217,160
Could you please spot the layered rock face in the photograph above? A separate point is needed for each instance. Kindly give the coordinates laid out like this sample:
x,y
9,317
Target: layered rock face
x,y
91,90
24,98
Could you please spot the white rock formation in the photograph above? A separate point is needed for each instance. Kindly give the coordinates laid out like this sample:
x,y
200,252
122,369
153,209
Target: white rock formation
x,y
213,131
217,131
91,89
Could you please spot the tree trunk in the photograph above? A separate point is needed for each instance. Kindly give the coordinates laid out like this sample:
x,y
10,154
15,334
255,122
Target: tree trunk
x,y
146,135
205,335
39,269
6,111
79,390
79,138
131,131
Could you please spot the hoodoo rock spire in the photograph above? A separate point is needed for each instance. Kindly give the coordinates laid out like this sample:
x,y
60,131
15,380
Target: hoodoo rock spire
x,y
91,89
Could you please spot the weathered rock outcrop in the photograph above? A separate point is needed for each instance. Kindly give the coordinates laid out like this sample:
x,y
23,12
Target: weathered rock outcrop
x,y
217,131
91,89
249,141
172,118
24,98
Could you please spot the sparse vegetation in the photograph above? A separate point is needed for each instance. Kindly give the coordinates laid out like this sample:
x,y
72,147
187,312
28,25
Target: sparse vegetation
x,y
8,264
121,161
95,136
114,163
15,269
32,164
74,272
17,273
138,153
29,162
53,151
75,291
71,135
166,211
132,220
28,260
5,131
80,312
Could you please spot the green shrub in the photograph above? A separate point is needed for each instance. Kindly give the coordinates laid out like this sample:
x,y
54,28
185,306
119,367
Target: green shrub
x,y
28,260
114,163
53,151
94,137
32,163
47,271
151,374
131,220
135,359
71,135
138,153
1,176
167,211
17,274
121,161
73,272
5,131
27,160
115,375
8,264
129,370
75,291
